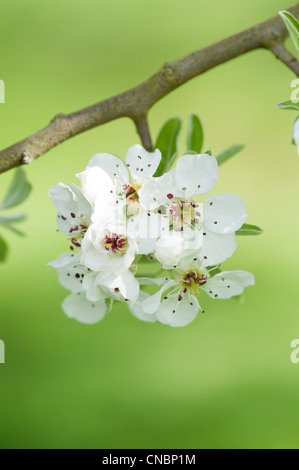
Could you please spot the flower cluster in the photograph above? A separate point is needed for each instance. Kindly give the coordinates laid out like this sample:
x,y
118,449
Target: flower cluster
x,y
122,219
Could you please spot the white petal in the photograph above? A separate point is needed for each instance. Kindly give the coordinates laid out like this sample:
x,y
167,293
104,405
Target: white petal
x,y
107,208
113,166
228,283
70,271
296,133
93,290
145,228
151,281
70,210
71,278
85,207
128,286
65,259
224,213
125,282
157,191
94,255
91,257
216,248
178,313
78,307
139,313
141,163
64,199
152,303
97,184
196,173
171,249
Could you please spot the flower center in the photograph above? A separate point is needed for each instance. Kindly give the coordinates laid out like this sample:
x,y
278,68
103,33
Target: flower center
x,y
116,244
193,279
183,214
132,198
79,225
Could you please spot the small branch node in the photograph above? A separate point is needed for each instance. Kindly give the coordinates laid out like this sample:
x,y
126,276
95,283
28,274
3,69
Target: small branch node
x,y
27,157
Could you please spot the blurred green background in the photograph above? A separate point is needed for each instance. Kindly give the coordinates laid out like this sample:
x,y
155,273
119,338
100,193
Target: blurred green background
x,y
224,381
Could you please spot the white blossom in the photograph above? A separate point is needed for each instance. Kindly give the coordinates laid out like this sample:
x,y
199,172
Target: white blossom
x,y
128,179
192,223
176,302
74,212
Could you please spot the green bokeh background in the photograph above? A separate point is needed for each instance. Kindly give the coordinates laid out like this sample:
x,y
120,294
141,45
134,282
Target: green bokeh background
x,y
224,381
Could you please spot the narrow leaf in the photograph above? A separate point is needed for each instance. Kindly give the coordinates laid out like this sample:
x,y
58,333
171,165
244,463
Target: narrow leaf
x,y
3,249
213,270
18,191
228,153
7,223
13,218
248,229
194,134
288,104
167,144
293,26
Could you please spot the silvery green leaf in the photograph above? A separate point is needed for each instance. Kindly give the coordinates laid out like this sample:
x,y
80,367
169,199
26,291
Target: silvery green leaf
x,y
3,249
288,104
18,191
7,222
249,229
228,153
167,144
194,134
293,26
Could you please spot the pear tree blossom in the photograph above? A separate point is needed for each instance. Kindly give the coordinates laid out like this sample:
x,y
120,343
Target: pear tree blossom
x,y
74,212
193,223
123,215
176,302
128,178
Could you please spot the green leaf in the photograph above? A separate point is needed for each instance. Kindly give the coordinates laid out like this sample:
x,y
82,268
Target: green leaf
x,y
13,218
208,152
288,104
249,229
7,223
214,270
18,191
167,144
194,134
293,26
3,249
228,153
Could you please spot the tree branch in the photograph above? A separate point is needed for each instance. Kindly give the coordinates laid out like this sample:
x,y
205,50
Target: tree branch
x,y
144,133
288,59
136,103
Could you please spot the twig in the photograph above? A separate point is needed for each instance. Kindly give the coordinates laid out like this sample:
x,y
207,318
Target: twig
x,y
144,133
136,103
288,59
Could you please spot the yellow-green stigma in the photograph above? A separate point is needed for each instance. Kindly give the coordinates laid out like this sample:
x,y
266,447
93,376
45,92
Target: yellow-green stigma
x,y
116,244
193,279
183,213
132,198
